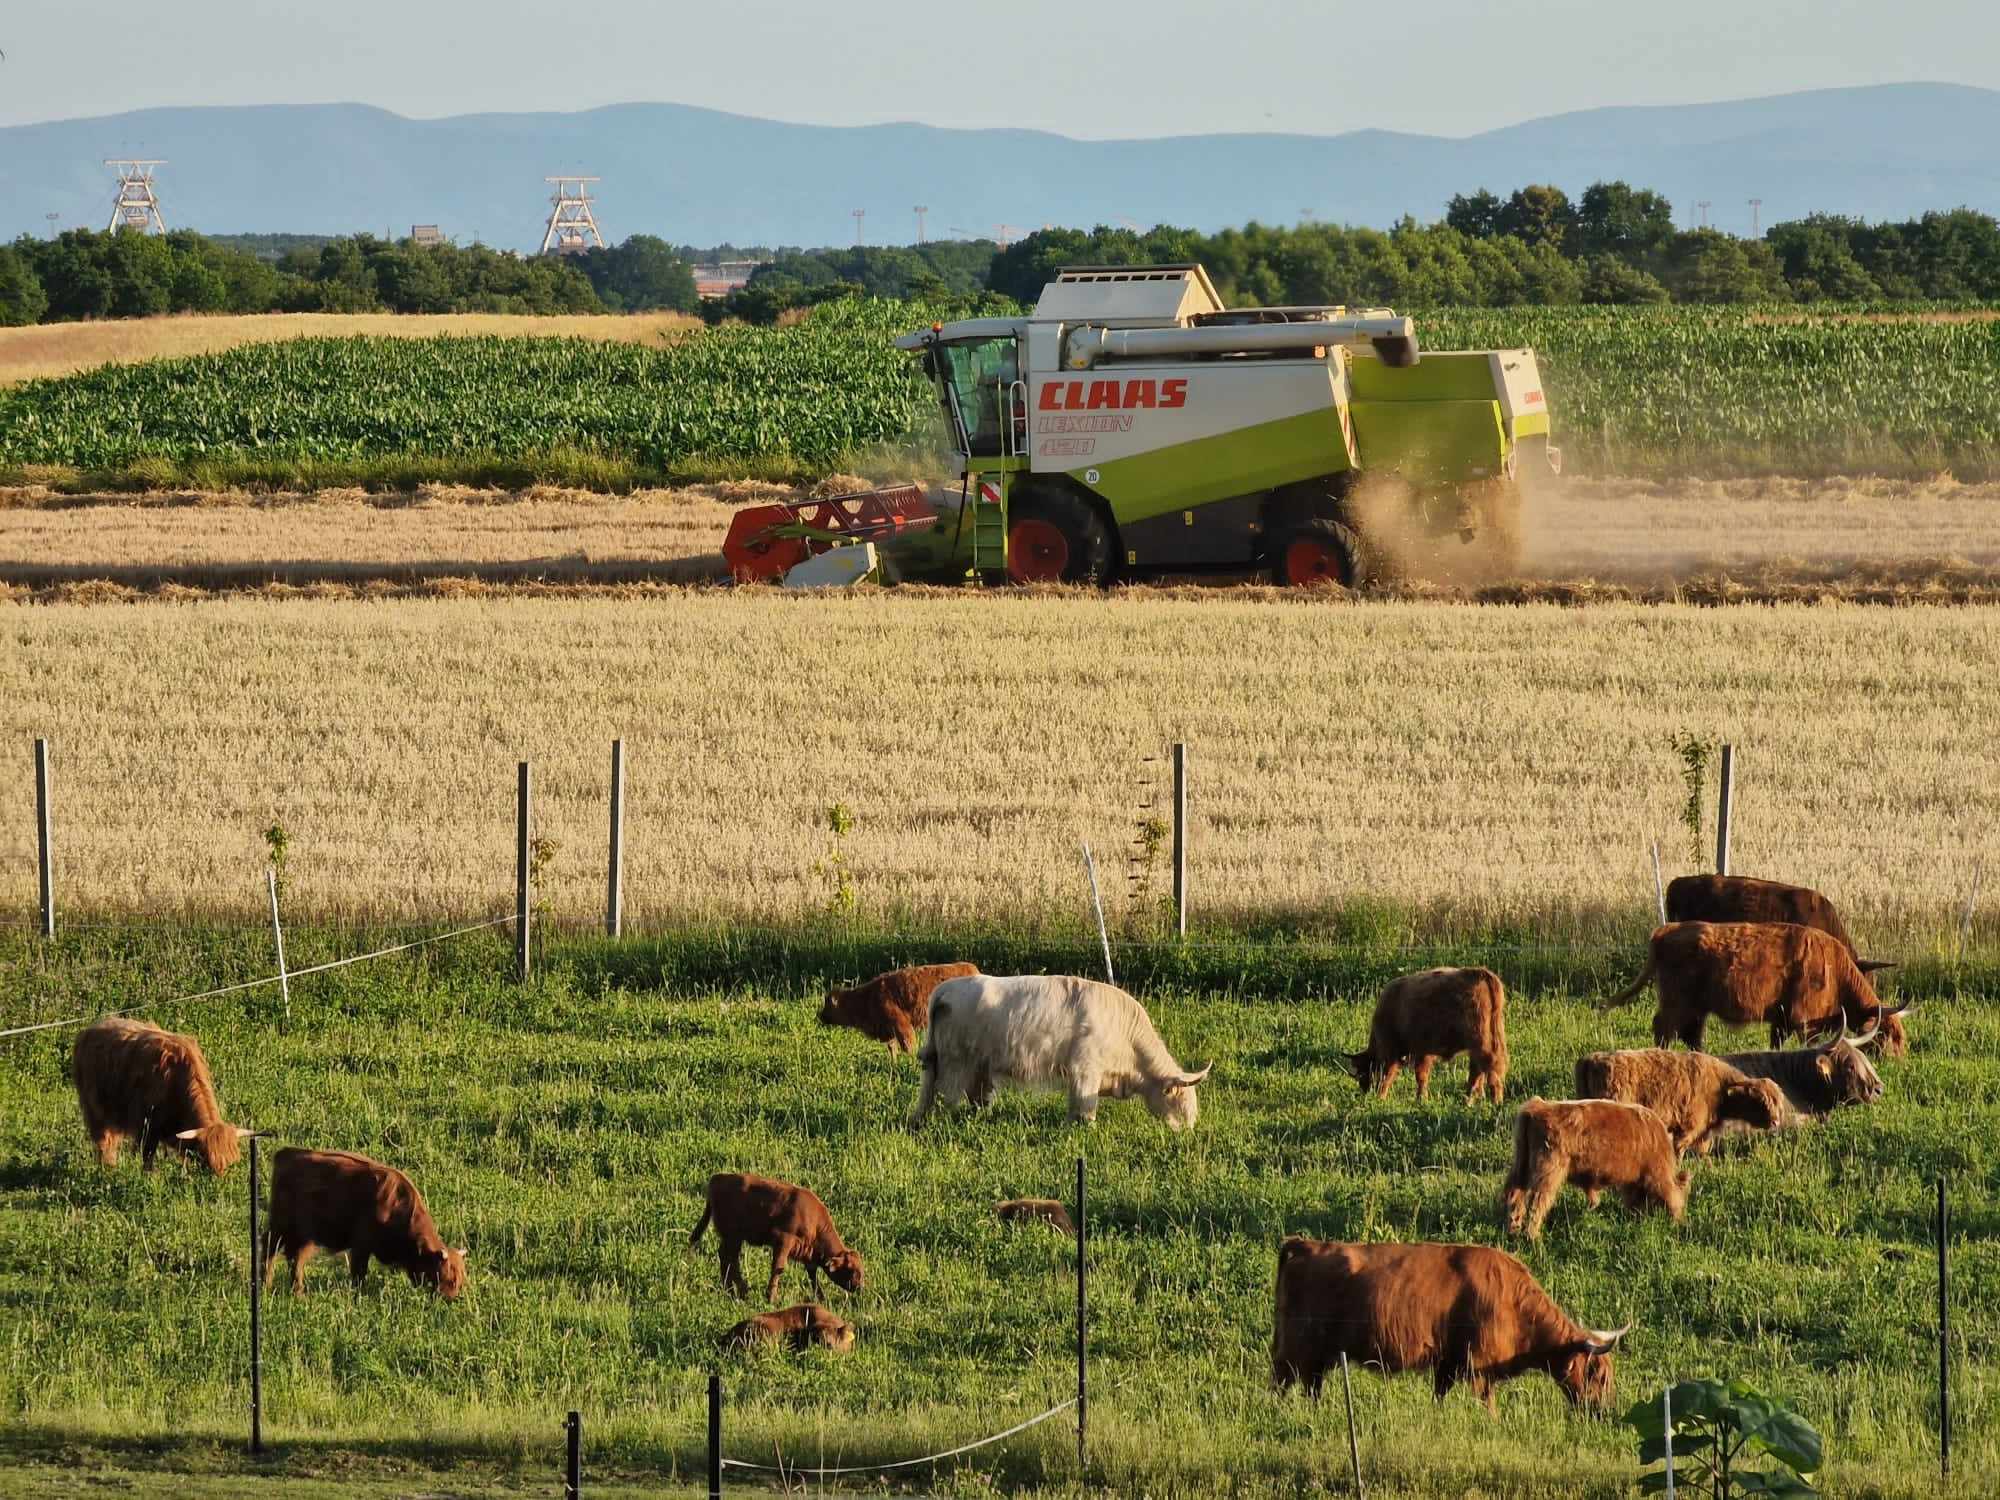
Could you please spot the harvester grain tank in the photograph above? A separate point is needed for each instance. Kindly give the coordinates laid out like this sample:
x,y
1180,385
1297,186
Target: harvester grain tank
x,y
1133,425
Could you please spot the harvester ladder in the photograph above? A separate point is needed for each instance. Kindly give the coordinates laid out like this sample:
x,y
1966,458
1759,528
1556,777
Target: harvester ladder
x,y
989,523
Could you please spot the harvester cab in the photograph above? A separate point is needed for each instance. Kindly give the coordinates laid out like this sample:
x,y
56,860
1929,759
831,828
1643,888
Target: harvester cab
x,y
1133,425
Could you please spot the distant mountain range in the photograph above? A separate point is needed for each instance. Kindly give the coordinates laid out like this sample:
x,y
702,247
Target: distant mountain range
x,y
698,176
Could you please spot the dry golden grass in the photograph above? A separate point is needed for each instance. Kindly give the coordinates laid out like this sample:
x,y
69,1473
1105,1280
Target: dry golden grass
x,y
1475,765
212,539
64,348
1646,531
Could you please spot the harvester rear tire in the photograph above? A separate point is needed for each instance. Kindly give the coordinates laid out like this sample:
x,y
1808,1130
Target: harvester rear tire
x,y
1056,537
1317,552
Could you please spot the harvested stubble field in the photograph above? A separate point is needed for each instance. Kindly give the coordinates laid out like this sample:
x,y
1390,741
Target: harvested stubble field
x,y
1454,770
52,349
564,1131
1868,538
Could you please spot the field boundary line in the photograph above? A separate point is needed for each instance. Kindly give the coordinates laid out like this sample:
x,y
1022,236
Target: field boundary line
x,y
251,984
902,1463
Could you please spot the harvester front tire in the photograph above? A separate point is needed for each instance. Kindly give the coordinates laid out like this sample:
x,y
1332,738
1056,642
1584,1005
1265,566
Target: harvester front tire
x,y
1317,552
1055,537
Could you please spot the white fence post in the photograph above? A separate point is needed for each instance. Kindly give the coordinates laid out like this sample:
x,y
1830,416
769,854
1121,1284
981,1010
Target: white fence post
x,y
1097,905
278,933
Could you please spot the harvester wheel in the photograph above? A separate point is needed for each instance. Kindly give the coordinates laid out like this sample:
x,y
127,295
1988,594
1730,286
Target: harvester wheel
x,y
1053,537
1317,552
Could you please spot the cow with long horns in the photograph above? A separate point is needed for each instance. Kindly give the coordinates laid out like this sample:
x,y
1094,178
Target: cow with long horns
x,y
1744,898
1815,1081
135,1081
1799,981
1464,1312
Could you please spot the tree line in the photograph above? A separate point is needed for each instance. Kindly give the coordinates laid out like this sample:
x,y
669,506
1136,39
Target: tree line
x,y
1613,244
93,274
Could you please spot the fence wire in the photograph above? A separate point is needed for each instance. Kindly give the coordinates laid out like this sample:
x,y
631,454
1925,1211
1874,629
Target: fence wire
x,y
252,984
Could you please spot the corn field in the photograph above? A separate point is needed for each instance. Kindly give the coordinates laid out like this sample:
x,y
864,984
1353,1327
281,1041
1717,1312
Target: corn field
x,y
1636,391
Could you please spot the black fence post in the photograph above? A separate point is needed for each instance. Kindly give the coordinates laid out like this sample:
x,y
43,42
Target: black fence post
x,y
714,1437
573,1466
1944,1338
256,1316
1082,1318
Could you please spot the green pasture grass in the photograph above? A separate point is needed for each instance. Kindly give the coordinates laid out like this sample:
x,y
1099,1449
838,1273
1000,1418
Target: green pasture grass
x,y
565,1129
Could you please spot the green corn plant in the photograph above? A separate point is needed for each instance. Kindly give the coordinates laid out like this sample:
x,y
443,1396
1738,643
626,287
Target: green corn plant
x,y
1720,1430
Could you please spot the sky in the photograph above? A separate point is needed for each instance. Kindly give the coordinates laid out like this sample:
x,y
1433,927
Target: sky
x,y
1092,68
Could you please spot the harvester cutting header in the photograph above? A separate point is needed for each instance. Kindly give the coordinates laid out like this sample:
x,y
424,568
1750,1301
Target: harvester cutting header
x,y
1132,425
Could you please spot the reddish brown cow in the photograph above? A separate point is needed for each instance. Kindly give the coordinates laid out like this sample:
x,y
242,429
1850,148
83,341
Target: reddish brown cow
x,y
748,1210
1026,1210
1463,1312
337,1200
1595,1144
1694,1095
135,1081
891,1007
800,1328
1438,1013
1797,980
1742,898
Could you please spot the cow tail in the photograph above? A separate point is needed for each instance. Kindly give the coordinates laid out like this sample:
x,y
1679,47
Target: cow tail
x,y
701,1224
1632,991
1523,1125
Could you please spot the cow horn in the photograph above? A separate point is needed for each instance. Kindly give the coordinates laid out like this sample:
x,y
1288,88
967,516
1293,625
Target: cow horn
x,y
1189,1080
1871,965
1897,1010
1344,1063
243,1133
187,1135
1602,1342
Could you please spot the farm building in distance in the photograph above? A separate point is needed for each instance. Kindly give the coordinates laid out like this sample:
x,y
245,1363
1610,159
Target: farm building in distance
x,y
722,278
426,234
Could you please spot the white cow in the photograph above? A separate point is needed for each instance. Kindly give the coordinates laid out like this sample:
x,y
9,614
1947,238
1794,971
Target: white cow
x,y
1091,1040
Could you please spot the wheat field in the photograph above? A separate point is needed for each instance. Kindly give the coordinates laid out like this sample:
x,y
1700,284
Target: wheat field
x,y
1477,769
50,349
1626,532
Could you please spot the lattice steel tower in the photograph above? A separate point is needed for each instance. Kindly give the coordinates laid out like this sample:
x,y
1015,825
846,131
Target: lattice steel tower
x,y
137,205
572,227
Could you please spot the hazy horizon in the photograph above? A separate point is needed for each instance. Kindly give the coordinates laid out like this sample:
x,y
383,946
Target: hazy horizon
x,y
1123,71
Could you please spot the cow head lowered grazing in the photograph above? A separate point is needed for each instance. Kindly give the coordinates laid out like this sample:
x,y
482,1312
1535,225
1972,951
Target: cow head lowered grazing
x,y
1037,1031
137,1082
1463,1312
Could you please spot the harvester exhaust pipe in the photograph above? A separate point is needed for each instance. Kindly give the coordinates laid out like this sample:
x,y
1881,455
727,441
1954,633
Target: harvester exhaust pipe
x,y
1394,340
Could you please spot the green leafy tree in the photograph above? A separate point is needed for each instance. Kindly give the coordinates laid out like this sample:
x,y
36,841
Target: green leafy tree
x,y
22,299
1609,281
1539,214
1476,215
1615,218
1720,1430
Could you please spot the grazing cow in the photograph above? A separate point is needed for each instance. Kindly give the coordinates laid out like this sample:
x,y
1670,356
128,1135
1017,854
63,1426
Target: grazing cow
x,y
891,1007
1742,898
1815,1081
135,1081
337,1200
799,1328
1797,980
1027,1210
1595,1144
1694,1095
1438,1013
749,1210
1463,1312
1044,1031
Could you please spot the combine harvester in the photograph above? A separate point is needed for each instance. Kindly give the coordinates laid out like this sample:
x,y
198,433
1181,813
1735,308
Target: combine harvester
x,y
1133,426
